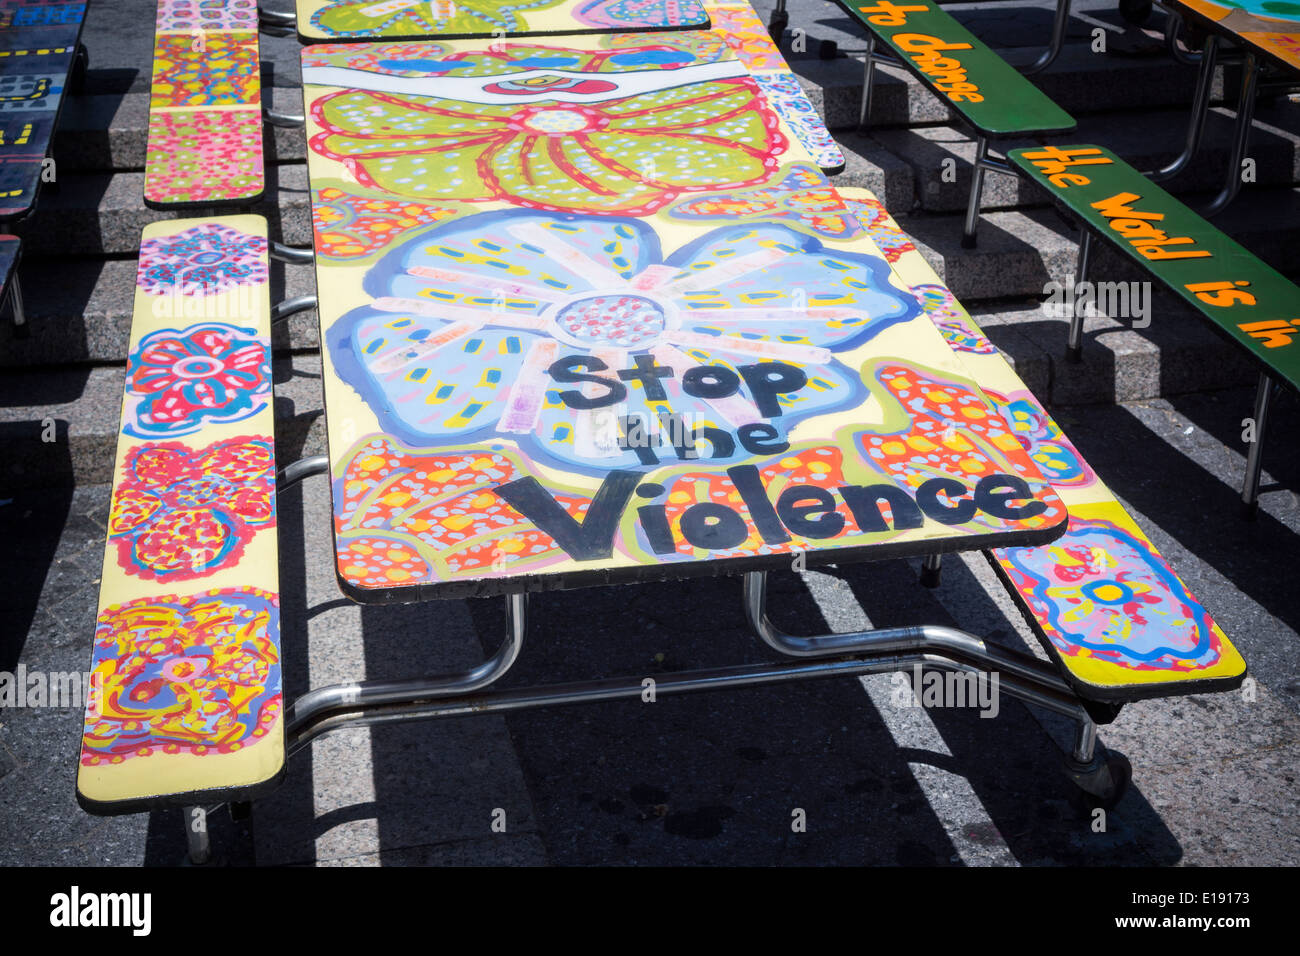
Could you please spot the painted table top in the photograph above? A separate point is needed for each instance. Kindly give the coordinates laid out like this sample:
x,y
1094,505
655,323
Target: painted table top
x,y
1111,611
1243,298
205,107
332,20
591,315
38,43
737,23
186,650
975,82
1269,27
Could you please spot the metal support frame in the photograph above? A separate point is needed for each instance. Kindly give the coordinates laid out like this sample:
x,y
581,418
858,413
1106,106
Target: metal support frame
x,y
276,18
14,293
282,310
931,570
368,703
283,120
1240,136
1074,346
1173,27
197,841
869,75
296,471
1053,50
292,254
1200,109
983,162
1255,454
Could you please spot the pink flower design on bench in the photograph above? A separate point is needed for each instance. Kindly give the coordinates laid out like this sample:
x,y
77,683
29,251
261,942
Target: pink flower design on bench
x,y
468,317
184,675
211,372
180,513
203,260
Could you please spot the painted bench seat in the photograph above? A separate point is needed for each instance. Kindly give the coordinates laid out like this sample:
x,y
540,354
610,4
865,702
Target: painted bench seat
x,y
1242,298
38,53
991,95
1117,620
980,88
205,107
186,701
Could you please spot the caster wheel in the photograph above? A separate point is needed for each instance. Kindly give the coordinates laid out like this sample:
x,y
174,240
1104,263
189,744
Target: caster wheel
x,y
776,26
1103,783
1135,11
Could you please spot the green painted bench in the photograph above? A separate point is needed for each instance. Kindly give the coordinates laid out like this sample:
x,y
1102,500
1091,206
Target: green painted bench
x,y
185,707
1251,304
989,95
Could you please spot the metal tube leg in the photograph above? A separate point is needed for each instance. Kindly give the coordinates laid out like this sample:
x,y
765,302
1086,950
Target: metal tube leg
x,y
289,307
1021,675
292,254
315,706
976,188
296,471
1200,109
1085,741
196,835
1058,40
931,568
868,76
16,304
1255,454
1241,135
1074,347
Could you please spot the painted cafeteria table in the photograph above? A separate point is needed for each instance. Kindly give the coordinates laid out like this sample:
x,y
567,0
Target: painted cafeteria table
x,y
591,315
1267,34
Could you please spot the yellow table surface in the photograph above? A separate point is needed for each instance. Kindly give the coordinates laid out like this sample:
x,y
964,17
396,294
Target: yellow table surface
x,y
509,231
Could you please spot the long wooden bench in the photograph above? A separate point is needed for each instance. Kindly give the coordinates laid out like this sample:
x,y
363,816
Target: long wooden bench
x,y
980,88
39,53
1117,620
1248,302
186,705
205,107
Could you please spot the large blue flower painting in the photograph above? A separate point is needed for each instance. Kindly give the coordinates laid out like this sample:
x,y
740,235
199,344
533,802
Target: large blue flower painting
x,y
468,319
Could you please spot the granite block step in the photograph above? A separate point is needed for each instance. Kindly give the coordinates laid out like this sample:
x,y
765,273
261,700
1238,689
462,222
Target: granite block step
x,y
92,214
59,426
79,311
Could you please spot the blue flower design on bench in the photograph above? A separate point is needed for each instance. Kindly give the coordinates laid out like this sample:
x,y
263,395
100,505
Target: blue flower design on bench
x,y
176,380
1103,592
468,321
